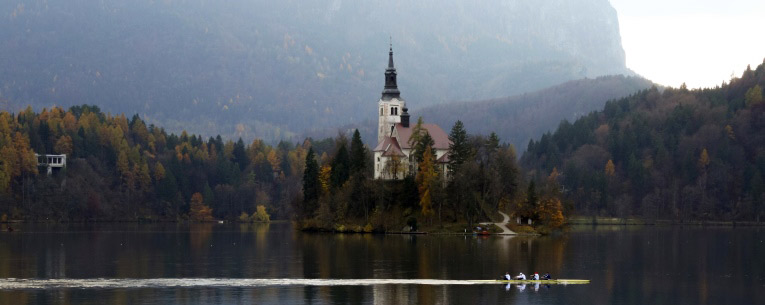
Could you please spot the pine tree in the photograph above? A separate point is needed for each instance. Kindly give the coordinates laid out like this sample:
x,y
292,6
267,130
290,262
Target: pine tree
x,y
358,154
340,167
240,155
425,142
310,183
459,149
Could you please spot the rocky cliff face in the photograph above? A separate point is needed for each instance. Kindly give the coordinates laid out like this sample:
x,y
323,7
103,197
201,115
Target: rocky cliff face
x,y
271,69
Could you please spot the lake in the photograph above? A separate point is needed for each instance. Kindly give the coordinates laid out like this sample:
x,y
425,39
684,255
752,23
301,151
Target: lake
x,y
274,264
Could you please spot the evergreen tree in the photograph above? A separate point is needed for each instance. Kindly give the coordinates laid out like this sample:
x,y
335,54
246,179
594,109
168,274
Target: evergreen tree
x,y
340,167
358,154
240,154
492,144
310,183
425,141
459,149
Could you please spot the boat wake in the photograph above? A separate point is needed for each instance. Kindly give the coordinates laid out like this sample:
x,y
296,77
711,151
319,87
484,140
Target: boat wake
x,y
112,283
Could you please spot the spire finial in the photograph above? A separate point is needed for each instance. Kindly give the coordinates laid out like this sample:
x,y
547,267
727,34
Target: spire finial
x,y
390,42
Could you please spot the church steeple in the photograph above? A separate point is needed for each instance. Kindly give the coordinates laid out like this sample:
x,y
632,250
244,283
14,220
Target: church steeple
x,y
391,87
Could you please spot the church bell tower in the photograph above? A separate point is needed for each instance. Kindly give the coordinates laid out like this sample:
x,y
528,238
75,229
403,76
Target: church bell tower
x,y
390,106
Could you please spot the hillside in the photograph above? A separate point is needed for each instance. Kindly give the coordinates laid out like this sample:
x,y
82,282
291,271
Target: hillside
x,y
271,70
520,118
678,154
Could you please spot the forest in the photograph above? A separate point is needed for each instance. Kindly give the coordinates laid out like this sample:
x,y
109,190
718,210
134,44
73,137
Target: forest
x,y
675,154
671,153
120,169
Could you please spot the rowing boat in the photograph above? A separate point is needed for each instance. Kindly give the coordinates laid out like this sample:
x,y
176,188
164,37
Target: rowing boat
x,y
560,281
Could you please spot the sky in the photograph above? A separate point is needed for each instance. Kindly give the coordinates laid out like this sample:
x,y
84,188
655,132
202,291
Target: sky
x,y
699,42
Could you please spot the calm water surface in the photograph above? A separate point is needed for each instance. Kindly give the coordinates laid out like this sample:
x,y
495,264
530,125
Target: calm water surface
x,y
204,264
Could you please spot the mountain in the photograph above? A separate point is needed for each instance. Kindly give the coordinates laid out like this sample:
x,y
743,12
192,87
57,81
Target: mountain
x,y
678,154
519,118
272,69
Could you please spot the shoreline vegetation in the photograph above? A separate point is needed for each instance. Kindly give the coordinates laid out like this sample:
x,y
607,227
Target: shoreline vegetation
x,y
688,156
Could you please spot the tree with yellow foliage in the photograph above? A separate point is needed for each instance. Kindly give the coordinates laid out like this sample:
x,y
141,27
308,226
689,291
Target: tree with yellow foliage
x,y
159,172
610,168
64,145
426,177
704,159
324,174
753,96
261,215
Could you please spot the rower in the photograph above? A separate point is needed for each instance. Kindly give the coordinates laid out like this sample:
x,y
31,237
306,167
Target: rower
x,y
507,276
536,276
547,276
521,277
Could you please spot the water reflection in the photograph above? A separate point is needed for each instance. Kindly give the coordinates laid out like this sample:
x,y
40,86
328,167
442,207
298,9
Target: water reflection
x,y
627,264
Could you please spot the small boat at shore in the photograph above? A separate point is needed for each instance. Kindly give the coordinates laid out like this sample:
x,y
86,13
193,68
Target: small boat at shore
x,y
558,281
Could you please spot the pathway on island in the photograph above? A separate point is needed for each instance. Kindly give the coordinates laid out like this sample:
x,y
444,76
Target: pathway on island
x,y
502,225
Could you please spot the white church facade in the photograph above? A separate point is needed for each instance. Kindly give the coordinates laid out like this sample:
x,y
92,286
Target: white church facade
x,y
393,157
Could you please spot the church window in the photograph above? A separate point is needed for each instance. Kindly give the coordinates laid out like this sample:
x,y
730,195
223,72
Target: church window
x,y
381,111
393,110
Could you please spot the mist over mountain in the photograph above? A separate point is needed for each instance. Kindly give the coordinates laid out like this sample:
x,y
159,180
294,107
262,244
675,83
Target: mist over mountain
x,y
274,69
520,118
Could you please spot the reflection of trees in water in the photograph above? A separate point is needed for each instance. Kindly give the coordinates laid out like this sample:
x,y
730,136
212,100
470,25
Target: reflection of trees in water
x,y
199,236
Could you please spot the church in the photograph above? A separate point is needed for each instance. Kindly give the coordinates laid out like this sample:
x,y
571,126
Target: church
x,y
393,156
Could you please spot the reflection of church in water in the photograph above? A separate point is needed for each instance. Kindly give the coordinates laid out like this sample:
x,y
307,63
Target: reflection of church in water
x,y
393,153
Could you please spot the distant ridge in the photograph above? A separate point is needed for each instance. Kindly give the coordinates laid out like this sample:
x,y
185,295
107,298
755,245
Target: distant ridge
x,y
517,119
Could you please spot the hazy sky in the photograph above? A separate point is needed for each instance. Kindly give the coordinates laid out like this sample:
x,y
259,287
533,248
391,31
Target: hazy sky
x,y
699,42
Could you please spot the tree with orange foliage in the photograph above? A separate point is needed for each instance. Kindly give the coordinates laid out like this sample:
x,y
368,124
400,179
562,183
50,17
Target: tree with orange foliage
x,y
198,211
64,145
551,212
610,168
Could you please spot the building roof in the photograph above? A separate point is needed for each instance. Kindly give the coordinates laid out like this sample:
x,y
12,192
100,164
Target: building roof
x,y
439,136
443,159
391,87
390,147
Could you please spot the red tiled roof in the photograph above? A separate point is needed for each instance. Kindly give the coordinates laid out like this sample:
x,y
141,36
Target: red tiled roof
x,y
439,136
390,147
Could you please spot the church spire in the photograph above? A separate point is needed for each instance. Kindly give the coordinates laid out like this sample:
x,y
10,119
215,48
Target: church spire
x,y
391,87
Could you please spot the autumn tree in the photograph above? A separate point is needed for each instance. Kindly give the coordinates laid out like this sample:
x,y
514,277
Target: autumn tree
x,y
393,166
426,176
753,96
610,168
64,145
703,159
550,212
325,177
261,215
198,211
